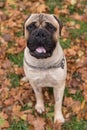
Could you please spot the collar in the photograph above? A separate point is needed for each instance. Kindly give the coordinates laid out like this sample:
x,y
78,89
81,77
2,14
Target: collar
x,y
56,65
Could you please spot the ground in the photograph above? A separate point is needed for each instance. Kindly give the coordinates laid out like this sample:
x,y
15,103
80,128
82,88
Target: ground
x,y
17,98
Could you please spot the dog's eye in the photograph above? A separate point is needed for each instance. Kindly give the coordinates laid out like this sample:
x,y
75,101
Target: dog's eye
x,y
50,27
31,27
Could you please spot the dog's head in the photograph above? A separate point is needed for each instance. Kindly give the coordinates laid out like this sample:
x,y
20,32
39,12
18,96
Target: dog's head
x,y
41,33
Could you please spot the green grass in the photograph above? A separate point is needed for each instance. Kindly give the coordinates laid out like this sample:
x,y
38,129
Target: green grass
x,y
84,2
74,124
16,59
13,6
14,78
19,34
2,0
49,129
21,125
27,106
2,121
50,113
54,3
76,33
10,43
65,43
77,96
73,9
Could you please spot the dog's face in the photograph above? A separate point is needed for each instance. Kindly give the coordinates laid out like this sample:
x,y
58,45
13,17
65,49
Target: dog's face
x,y
41,33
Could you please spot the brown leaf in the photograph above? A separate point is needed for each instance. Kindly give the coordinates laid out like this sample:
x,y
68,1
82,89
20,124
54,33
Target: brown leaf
x,y
3,16
23,116
57,126
19,71
9,101
7,37
31,118
79,17
3,118
74,83
56,11
42,8
76,107
16,108
2,4
5,124
38,124
4,115
68,101
62,11
72,91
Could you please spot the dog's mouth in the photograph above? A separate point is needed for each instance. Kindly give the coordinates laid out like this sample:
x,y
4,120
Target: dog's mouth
x,y
41,50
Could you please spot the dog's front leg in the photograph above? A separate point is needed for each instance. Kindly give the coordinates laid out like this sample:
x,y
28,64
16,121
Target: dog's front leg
x,y
58,95
39,99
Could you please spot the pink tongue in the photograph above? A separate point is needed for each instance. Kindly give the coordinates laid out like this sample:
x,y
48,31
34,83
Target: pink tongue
x,y
41,50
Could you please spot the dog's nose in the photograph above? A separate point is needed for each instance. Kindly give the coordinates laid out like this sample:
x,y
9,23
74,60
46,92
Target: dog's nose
x,y
40,34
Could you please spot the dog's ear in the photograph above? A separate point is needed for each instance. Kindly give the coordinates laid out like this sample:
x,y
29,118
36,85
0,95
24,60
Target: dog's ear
x,y
27,19
60,24
24,24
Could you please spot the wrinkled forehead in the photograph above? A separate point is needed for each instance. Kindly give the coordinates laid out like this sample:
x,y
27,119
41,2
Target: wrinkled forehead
x,y
40,18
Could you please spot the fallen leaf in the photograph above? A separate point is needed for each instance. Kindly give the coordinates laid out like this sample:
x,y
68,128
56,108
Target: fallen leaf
x,y
76,107
38,124
7,37
79,17
68,101
73,2
42,8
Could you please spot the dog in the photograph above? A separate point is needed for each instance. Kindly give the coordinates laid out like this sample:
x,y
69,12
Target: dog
x,y
44,60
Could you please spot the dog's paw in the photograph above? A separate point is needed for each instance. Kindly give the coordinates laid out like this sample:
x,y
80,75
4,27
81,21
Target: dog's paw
x,y
24,79
59,119
40,108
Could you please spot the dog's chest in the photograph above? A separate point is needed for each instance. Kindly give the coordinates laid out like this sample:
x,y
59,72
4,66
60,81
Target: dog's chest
x,y
45,78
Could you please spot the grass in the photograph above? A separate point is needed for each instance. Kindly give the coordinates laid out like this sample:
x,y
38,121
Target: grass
x,y
74,124
49,129
73,9
65,43
10,43
77,33
16,59
20,125
19,34
14,80
50,113
54,3
77,96
2,121
27,106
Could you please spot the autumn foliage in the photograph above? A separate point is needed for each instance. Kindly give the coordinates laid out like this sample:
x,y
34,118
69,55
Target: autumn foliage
x,y
17,98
